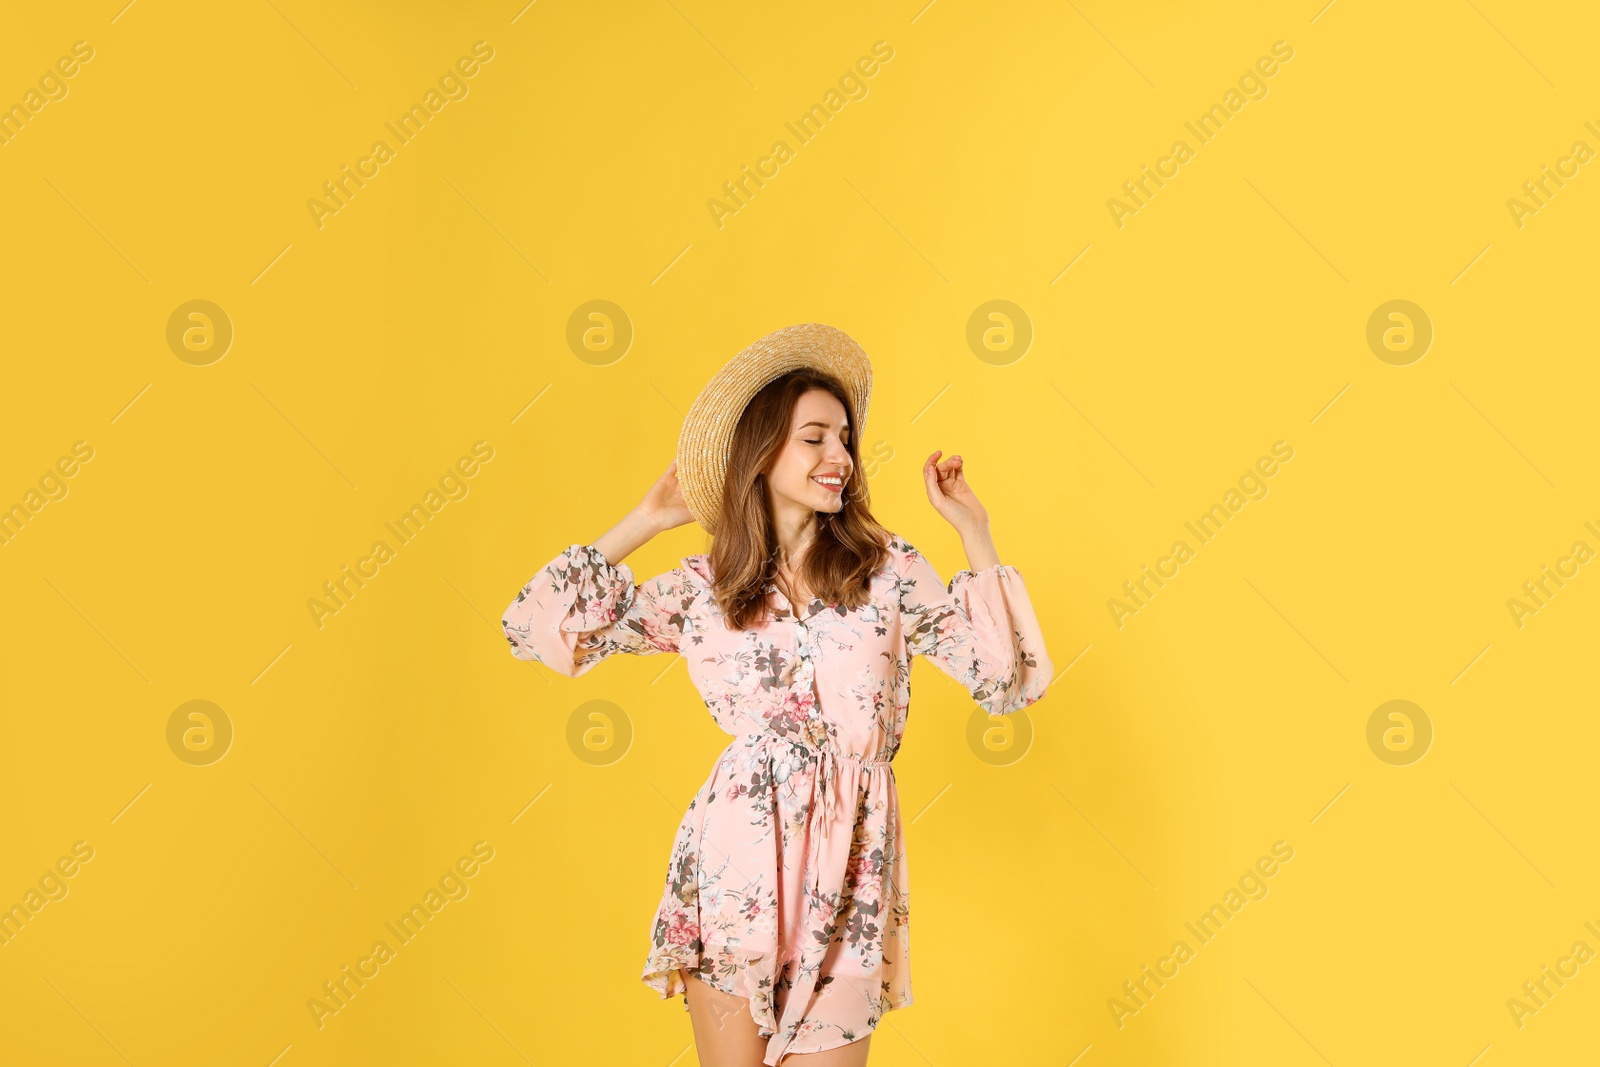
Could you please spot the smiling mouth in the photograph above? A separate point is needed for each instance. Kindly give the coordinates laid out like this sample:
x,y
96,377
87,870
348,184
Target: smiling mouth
x,y
831,482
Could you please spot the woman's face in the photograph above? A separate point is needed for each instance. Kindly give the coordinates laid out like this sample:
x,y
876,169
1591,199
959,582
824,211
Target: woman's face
x,y
814,464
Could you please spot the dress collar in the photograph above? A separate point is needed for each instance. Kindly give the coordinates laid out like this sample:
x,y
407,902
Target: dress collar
x,y
785,609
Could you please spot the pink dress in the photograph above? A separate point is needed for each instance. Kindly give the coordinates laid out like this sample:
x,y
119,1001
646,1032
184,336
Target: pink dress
x,y
787,882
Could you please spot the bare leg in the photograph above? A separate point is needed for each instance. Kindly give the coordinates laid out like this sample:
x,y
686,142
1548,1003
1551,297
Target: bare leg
x,y
725,1033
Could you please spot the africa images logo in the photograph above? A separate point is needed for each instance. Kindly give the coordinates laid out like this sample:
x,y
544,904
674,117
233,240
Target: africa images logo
x,y
452,86
852,85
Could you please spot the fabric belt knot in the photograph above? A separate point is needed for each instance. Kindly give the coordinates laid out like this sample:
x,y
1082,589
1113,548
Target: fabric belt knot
x,y
824,806
827,806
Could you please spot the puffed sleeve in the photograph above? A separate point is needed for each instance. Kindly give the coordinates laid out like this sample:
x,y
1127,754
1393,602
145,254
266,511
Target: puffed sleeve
x,y
580,608
980,630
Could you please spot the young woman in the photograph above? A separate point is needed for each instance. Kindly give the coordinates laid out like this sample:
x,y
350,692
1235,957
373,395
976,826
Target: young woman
x,y
784,916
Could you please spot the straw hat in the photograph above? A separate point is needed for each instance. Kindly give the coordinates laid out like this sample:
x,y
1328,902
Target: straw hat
x,y
708,428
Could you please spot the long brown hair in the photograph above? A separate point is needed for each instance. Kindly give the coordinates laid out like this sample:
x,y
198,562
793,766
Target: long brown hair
x,y
849,545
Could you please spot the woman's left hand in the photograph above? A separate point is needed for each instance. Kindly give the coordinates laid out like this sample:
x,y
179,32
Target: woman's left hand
x,y
950,494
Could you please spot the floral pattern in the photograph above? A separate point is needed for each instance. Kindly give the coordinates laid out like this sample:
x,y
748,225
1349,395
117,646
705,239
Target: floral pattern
x,y
787,880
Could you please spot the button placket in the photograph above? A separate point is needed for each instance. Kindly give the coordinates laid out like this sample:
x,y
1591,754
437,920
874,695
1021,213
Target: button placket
x,y
805,681
806,673
805,670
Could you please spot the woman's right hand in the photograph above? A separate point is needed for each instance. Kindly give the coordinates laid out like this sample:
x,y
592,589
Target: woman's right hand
x,y
663,504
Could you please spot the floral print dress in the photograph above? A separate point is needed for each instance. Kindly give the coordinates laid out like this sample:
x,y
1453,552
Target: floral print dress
x,y
787,881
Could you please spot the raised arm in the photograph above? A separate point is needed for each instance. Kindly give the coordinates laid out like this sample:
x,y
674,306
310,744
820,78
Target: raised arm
x,y
584,605
980,629
580,608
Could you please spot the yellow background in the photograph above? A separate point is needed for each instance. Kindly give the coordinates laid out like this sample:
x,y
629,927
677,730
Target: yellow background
x,y
431,311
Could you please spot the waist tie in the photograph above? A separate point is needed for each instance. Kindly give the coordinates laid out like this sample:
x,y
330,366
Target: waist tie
x,y
822,813
825,806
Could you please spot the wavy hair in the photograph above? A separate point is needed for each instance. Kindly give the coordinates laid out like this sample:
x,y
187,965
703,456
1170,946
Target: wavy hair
x,y
849,545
